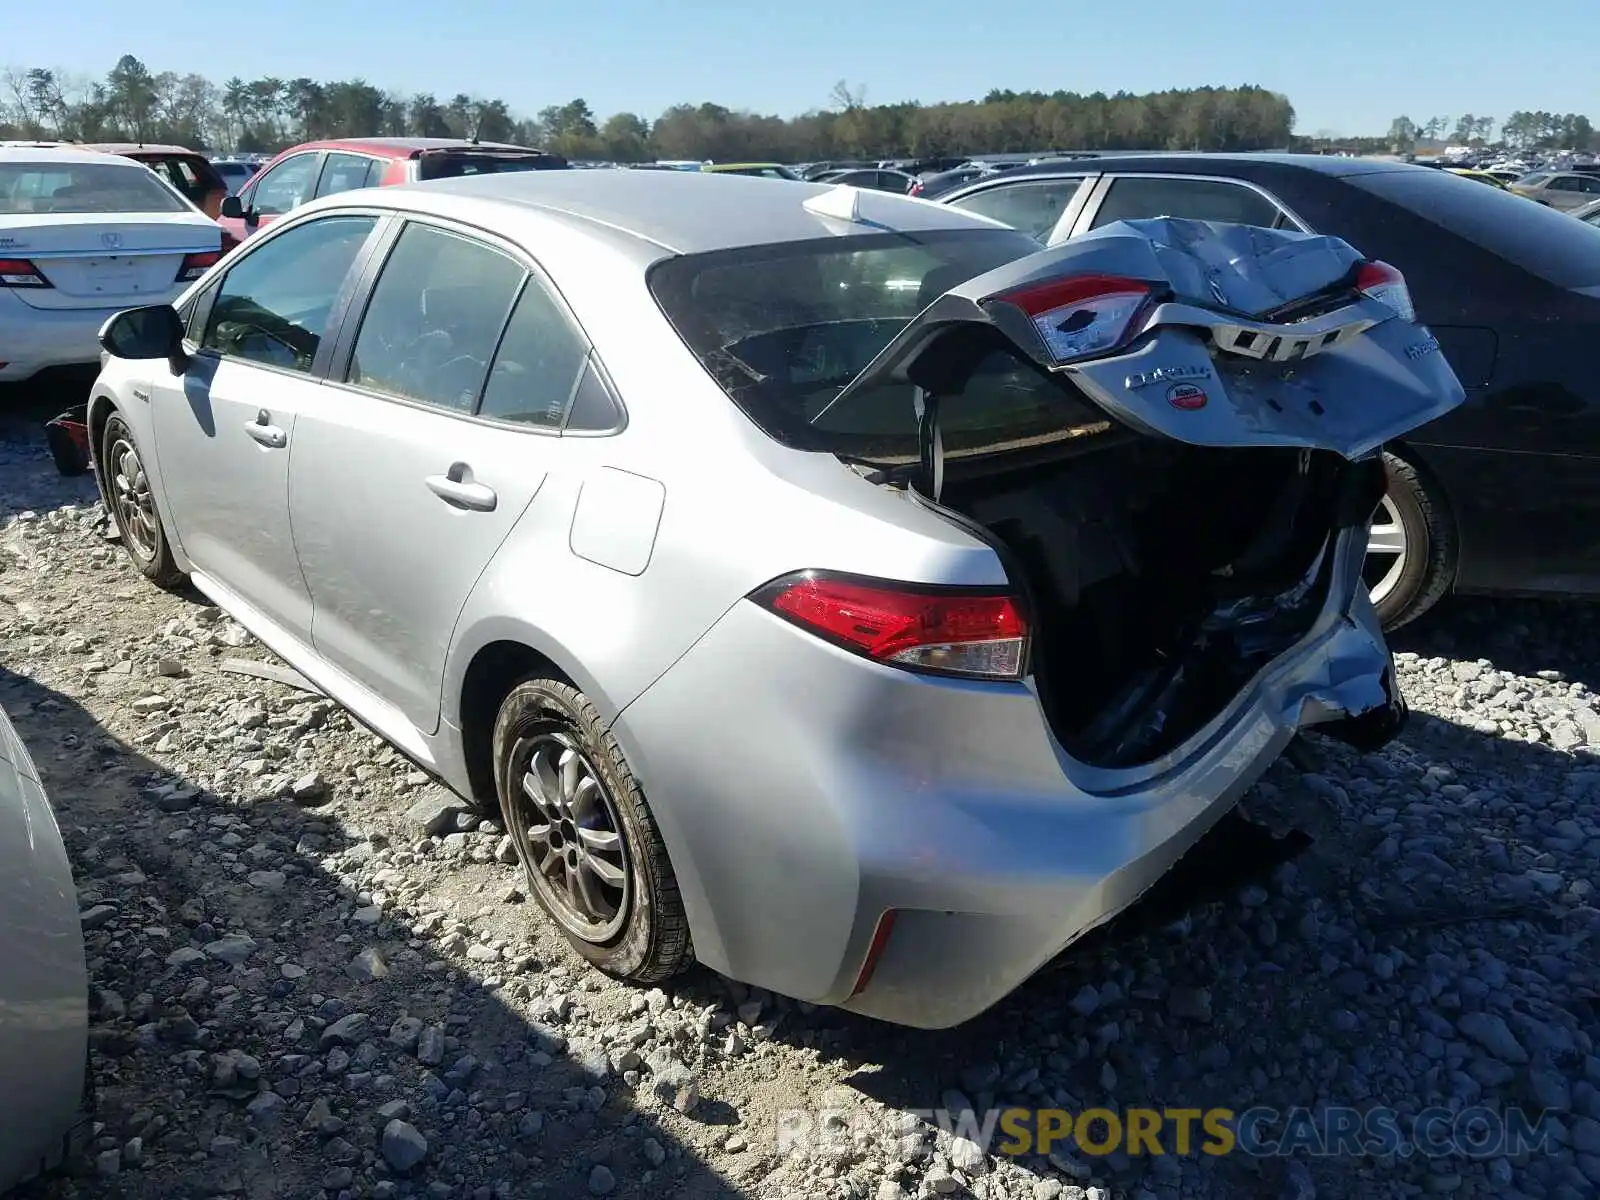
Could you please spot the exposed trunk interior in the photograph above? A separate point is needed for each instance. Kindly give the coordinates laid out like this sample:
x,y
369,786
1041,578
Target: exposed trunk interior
x,y
1163,576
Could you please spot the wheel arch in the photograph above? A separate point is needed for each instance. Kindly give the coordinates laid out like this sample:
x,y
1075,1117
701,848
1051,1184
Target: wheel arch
x,y
101,406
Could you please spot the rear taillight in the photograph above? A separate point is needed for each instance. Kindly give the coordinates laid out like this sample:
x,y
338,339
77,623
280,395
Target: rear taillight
x,y
20,273
1381,282
1082,315
196,265
977,633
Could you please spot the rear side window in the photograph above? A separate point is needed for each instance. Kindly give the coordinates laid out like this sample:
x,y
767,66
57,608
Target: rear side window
x,y
784,328
536,368
344,173
454,166
1033,206
1136,197
435,318
1540,240
67,187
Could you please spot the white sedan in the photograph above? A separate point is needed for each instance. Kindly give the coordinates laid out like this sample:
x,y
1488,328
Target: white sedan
x,y
82,236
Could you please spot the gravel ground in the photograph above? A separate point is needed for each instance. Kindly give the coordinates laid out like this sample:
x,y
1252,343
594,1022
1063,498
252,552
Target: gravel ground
x,y
314,975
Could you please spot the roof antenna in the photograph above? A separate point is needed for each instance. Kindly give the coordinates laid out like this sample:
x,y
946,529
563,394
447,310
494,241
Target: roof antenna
x,y
841,202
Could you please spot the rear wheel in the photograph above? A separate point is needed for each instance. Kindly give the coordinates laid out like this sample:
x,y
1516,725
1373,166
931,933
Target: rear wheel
x,y
1411,551
584,834
133,506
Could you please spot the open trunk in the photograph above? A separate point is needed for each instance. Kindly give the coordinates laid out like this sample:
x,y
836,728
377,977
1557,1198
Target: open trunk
x,y
1164,576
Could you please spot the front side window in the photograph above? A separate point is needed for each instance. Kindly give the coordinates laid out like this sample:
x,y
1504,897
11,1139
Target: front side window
x,y
74,187
537,364
435,318
284,187
1033,206
1141,197
783,329
274,304
344,173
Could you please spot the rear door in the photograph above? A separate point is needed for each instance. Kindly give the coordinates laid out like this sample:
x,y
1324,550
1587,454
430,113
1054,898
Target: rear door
x,y
411,469
343,172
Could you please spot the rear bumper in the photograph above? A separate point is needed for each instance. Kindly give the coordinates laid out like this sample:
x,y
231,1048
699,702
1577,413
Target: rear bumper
x,y
804,792
34,339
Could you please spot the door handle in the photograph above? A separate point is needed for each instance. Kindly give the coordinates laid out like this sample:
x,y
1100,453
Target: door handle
x,y
264,431
457,487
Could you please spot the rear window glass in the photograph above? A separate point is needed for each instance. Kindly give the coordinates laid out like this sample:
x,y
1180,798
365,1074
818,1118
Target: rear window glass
x,y
454,166
1541,240
784,328
83,188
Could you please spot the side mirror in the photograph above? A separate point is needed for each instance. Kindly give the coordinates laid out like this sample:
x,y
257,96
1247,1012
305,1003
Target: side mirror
x,y
155,331
233,208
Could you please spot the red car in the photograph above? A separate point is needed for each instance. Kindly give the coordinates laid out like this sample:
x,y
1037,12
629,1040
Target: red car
x,y
315,169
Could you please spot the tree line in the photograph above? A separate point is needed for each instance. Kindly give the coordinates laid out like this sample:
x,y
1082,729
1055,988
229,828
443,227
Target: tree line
x,y
1519,131
134,103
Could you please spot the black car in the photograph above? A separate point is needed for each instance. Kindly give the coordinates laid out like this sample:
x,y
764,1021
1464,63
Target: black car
x,y
878,180
1503,494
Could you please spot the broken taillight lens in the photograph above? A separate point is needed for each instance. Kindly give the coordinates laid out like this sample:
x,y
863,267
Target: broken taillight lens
x,y
1083,315
1381,282
977,633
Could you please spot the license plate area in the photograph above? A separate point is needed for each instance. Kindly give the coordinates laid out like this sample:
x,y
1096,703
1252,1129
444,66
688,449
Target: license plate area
x,y
113,275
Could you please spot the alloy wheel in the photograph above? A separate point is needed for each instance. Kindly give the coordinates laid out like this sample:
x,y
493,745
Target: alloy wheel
x,y
1386,550
568,834
130,488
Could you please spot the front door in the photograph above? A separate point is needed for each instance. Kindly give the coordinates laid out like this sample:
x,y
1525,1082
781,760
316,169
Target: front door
x,y
279,189
410,473
226,428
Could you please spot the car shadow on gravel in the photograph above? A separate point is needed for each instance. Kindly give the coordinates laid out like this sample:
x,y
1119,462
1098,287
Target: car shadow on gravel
x,y
246,1043
1521,636
1246,978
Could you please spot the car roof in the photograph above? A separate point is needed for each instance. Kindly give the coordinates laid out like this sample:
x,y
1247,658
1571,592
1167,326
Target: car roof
x,y
737,166
126,148
1209,164
403,147
684,212
63,154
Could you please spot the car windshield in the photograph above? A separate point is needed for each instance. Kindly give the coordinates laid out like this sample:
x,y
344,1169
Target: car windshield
x,y
784,328
1544,241
454,166
1535,179
73,187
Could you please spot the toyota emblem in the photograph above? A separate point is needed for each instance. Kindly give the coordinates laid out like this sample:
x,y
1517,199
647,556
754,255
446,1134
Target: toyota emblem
x,y
111,241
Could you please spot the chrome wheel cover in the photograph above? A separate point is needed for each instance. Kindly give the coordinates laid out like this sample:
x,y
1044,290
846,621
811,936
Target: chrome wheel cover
x,y
1386,550
130,494
565,826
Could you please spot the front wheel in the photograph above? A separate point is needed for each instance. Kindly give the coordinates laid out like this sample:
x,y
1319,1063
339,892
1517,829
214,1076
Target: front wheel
x,y
1411,549
584,834
133,506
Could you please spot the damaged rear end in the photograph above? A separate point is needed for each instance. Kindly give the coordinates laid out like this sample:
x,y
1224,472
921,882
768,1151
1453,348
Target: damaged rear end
x,y
1180,462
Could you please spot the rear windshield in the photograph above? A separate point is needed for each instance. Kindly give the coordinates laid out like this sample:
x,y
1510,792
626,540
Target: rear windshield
x,y
83,188
784,328
453,166
1540,240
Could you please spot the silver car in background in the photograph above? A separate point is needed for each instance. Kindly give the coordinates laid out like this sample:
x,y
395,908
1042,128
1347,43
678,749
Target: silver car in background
x,y
44,987
823,584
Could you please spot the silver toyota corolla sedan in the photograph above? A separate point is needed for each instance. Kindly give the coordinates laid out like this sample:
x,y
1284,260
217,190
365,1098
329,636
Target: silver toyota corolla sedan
x,y
825,585
44,986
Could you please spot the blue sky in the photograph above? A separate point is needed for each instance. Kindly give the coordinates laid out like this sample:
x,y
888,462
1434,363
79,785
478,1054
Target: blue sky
x,y
1349,66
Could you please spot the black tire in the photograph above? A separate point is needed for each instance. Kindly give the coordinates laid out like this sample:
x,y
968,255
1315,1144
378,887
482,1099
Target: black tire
x,y
127,490
1430,567
652,942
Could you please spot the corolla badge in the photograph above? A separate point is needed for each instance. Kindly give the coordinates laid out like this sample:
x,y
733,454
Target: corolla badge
x,y
1187,396
111,240
1166,375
